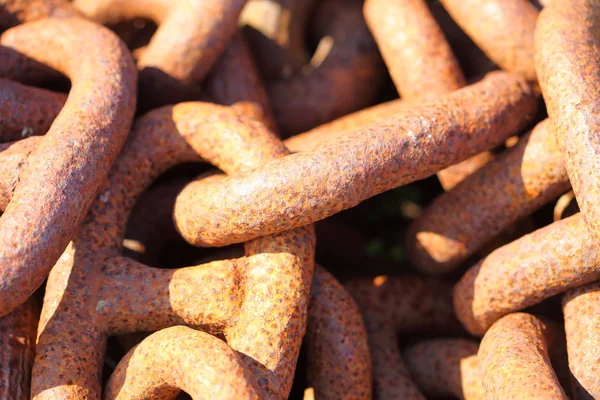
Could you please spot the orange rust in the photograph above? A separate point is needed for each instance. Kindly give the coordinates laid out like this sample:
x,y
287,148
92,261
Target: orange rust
x,y
17,350
306,187
339,360
158,368
459,222
565,206
235,82
542,264
276,31
449,177
581,308
514,360
93,292
455,174
63,173
15,12
188,42
568,65
346,79
420,62
418,57
12,160
503,29
391,306
345,125
27,111
339,363
446,367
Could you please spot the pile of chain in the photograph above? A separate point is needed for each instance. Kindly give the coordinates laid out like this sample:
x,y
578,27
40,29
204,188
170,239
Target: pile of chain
x,y
113,111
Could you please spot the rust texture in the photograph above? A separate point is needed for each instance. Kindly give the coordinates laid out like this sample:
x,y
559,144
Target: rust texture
x,y
337,128
391,306
445,367
565,206
26,110
339,362
129,296
514,360
581,308
63,174
159,367
12,160
17,350
276,31
568,61
235,82
459,222
336,344
344,75
419,59
344,125
15,12
525,272
306,187
188,42
503,29
455,174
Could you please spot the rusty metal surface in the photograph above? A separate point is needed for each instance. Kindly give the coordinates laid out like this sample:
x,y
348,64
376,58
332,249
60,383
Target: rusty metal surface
x,y
567,61
26,110
189,41
459,222
15,12
419,59
235,82
306,187
445,367
503,29
391,306
344,76
133,311
514,360
339,360
132,297
17,350
64,172
581,308
525,272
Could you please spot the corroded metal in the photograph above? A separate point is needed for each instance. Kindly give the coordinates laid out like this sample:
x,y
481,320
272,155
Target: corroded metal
x,y
459,222
581,308
512,46
17,350
418,57
344,75
537,266
308,186
191,37
229,296
391,306
63,174
514,359
446,367
234,81
568,65
26,110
